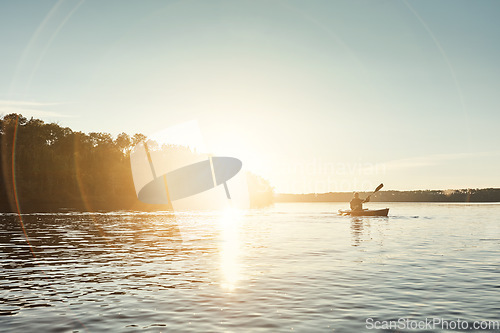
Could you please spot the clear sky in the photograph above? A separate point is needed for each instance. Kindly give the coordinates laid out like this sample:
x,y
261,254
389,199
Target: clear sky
x,y
316,96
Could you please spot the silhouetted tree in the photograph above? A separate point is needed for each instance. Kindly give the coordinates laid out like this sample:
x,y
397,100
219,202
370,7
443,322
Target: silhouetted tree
x,y
46,167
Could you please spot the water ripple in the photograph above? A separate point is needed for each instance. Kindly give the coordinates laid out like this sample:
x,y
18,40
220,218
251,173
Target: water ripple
x,y
291,267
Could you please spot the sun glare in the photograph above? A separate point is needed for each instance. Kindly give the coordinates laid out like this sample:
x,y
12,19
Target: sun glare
x,y
229,224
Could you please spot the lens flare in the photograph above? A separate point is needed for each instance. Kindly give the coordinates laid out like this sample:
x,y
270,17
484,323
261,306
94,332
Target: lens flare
x,y
14,185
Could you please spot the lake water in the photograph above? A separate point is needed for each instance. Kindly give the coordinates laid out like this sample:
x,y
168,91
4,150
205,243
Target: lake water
x,y
291,267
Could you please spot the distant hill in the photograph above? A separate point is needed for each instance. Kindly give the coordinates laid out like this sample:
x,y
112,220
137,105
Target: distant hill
x,y
462,195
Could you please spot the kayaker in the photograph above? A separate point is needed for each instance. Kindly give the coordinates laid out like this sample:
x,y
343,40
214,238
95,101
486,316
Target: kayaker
x,y
357,203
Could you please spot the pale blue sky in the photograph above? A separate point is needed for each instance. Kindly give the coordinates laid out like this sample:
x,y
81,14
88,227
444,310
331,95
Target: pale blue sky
x,y
290,87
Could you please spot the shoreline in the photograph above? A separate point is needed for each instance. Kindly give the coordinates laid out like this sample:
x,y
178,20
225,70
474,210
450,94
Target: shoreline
x,y
485,195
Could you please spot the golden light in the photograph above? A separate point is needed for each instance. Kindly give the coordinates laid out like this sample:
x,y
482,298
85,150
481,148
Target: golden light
x,y
229,223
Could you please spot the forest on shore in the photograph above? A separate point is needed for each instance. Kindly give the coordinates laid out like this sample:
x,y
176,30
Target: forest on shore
x,y
47,168
54,168
462,195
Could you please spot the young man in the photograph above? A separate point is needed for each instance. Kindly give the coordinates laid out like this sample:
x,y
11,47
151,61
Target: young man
x,y
357,203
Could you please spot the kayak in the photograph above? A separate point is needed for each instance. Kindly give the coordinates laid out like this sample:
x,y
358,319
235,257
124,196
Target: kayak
x,y
365,212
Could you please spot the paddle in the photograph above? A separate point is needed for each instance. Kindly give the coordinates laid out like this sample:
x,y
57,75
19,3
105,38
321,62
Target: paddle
x,y
376,190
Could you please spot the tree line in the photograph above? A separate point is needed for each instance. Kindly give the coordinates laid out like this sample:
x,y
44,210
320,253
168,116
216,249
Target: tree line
x,y
46,167
461,195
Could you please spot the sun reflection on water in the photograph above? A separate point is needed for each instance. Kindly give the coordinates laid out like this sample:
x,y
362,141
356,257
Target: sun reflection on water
x,y
229,247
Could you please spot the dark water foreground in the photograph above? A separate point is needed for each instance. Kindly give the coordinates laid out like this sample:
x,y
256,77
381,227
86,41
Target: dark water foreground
x,y
293,267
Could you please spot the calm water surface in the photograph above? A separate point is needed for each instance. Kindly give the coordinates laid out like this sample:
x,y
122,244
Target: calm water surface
x,y
294,267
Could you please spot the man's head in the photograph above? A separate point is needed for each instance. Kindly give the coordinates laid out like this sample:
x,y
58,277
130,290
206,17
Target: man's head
x,y
356,195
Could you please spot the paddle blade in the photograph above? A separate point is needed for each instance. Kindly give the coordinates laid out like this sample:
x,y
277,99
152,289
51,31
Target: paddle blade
x,y
378,188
